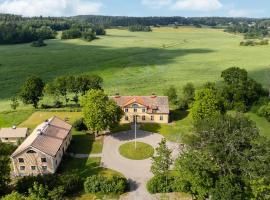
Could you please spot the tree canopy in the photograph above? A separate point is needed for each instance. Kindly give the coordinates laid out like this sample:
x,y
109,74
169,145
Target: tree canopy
x,y
32,90
100,113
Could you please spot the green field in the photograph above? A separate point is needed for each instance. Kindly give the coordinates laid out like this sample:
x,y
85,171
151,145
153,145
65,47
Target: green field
x,y
135,62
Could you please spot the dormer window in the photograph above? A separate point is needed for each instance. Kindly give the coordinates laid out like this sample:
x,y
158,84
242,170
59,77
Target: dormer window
x,y
21,160
143,110
126,109
30,151
135,105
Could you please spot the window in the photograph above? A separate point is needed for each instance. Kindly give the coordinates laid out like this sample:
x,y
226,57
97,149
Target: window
x,y
33,168
44,168
21,160
135,109
6,138
126,118
143,118
30,151
143,110
126,109
56,162
161,117
22,168
152,118
44,160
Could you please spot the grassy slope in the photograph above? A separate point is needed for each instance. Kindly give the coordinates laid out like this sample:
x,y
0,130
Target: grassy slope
x,y
135,63
10,118
39,117
261,122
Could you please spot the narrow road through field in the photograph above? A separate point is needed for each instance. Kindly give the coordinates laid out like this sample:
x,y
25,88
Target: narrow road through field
x,y
136,171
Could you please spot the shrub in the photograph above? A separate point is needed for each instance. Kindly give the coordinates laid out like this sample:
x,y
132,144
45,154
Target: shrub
x,y
92,184
25,183
104,185
264,111
72,183
160,184
14,196
39,43
79,125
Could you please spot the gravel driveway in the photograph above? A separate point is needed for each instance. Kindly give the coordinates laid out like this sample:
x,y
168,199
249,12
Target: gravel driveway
x,y
137,172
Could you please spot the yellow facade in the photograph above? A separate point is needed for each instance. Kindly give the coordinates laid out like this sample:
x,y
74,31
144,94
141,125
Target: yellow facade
x,y
140,112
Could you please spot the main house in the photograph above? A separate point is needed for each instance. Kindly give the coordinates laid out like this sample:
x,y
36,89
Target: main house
x,y
42,151
146,109
13,135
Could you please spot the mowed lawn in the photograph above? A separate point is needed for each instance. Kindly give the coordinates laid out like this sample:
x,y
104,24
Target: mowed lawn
x,y
38,117
179,130
135,63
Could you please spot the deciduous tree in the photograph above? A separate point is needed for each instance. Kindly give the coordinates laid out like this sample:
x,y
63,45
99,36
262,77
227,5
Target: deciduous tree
x,y
32,91
100,113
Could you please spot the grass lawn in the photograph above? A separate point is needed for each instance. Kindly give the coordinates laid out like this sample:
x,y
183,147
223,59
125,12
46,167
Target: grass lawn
x,y
84,167
141,152
38,117
179,130
134,62
261,122
85,143
10,118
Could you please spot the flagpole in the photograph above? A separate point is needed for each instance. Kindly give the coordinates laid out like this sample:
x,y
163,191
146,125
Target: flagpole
x,y
135,132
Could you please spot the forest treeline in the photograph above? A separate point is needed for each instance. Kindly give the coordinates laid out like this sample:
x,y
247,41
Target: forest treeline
x,y
17,29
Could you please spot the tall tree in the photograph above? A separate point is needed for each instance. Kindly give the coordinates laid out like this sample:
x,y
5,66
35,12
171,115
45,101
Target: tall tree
x,y
229,160
14,102
172,94
207,104
32,91
162,161
61,85
100,113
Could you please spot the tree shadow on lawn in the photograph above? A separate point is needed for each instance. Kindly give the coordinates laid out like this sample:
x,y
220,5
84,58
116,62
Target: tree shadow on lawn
x,y
82,143
82,166
66,58
176,115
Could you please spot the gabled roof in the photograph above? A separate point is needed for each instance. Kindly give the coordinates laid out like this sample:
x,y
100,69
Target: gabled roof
x,y
47,137
154,104
13,132
133,100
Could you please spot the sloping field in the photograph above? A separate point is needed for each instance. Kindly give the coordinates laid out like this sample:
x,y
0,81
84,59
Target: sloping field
x,y
135,63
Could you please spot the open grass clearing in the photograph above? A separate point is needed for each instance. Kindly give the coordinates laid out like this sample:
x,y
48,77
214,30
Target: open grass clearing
x,y
10,118
140,151
40,116
135,62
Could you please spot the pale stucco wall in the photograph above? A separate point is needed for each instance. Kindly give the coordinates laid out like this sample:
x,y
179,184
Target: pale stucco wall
x,y
156,116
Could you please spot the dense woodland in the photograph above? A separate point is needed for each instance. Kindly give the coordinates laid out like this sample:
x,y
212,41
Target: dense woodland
x,y
15,29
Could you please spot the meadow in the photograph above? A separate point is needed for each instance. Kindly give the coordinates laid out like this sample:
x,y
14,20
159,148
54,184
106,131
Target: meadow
x,y
134,62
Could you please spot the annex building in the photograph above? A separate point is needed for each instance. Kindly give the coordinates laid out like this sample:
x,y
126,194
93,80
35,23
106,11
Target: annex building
x,y
42,151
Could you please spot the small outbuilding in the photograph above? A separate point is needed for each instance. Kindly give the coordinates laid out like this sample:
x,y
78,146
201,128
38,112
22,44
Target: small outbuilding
x,y
13,135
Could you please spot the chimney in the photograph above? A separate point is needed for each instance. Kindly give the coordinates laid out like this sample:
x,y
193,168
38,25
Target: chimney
x,y
117,95
39,132
14,127
153,95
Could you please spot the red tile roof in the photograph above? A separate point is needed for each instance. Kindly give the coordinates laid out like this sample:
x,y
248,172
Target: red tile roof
x,y
159,104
